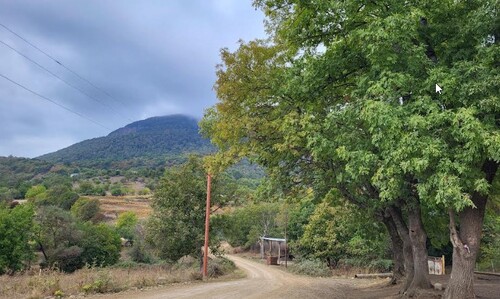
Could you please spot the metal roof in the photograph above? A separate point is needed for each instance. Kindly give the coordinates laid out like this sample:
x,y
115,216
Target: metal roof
x,y
273,239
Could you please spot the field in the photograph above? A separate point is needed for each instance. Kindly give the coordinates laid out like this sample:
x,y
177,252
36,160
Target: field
x,y
112,206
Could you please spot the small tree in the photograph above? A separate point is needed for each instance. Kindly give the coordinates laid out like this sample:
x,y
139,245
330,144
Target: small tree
x,y
37,191
86,209
176,227
101,245
15,232
86,188
126,224
58,238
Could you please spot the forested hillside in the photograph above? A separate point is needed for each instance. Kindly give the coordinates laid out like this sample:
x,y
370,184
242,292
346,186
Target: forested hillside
x,y
152,139
15,172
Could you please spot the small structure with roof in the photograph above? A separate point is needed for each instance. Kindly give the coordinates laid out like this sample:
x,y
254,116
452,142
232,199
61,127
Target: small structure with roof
x,y
276,259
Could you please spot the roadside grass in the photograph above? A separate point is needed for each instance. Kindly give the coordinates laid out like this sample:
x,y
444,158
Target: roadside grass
x,y
121,277
315,268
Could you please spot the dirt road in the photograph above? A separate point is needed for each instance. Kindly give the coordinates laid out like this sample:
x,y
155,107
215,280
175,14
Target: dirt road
x,y
261,282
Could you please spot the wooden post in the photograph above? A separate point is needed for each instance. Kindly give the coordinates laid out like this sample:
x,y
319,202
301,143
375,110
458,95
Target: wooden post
x,y
270,248
286,246
279,252
443,264
207,223
261,248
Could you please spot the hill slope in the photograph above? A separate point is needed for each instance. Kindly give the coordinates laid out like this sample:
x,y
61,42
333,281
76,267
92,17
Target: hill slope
x,y
154,138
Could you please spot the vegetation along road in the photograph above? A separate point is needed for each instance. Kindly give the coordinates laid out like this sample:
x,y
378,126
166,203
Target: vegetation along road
x,y
261,282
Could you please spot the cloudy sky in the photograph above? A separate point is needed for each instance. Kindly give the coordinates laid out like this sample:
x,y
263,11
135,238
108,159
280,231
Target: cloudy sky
x,y
147,58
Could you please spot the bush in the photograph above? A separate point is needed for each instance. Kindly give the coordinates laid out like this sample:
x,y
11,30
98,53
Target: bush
x,y
37,191
88,188
139,254
310,267
60,196
101,245
102,284
67,259
380,265
85,209
126,224
16,226
127,265
117,191
145,191
220,266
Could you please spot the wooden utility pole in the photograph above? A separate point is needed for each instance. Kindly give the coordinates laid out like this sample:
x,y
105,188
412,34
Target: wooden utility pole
x,y
207,222
286,241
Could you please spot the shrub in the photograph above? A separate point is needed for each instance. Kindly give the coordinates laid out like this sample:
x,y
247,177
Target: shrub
x,y
380,265
102,284
311,267
126,264
117,191
126,223
145,191
139,254
196,275
377,265
85,209
101,245
37,191
15,231
67,259
220,266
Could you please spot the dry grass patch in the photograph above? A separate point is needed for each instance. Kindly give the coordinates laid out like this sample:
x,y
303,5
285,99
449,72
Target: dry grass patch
x,y
116,205
93,280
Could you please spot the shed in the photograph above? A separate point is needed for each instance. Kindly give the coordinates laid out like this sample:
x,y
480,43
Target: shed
x,y
270,241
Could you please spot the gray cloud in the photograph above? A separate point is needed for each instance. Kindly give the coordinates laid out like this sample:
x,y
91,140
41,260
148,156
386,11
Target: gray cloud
x,y
153,57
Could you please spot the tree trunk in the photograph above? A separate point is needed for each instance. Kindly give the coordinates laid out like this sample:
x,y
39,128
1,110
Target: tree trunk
x,y
398,270
402,230
465,248
418,238
466,242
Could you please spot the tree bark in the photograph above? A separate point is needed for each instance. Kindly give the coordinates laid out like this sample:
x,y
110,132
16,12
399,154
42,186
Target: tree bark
x,y
418,238
466,242
398,270
402,230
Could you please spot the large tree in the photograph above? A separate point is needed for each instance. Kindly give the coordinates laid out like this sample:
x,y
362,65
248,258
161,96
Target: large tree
x,y
344,93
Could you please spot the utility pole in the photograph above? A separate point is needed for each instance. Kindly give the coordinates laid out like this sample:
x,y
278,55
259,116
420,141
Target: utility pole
x,y
286,241
207,222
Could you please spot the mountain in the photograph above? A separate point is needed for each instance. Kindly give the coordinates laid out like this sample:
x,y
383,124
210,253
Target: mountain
x,y
156,138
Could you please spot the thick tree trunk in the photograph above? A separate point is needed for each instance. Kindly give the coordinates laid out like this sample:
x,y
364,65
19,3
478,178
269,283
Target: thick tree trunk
x,y
465,248
466,242
418,238
398,270
402,230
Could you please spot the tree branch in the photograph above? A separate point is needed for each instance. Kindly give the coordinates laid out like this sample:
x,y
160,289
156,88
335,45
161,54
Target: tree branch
x,y
455,239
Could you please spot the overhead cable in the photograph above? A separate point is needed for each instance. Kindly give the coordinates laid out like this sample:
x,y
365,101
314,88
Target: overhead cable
x,y
61,79
61,64
54,102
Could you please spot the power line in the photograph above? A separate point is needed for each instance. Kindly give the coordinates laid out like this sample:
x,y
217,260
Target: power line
x,y
54,102
61,79
62,65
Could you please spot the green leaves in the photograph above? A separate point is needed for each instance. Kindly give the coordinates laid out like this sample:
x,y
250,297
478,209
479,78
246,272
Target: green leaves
x,y
176,227
344,96
16,228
